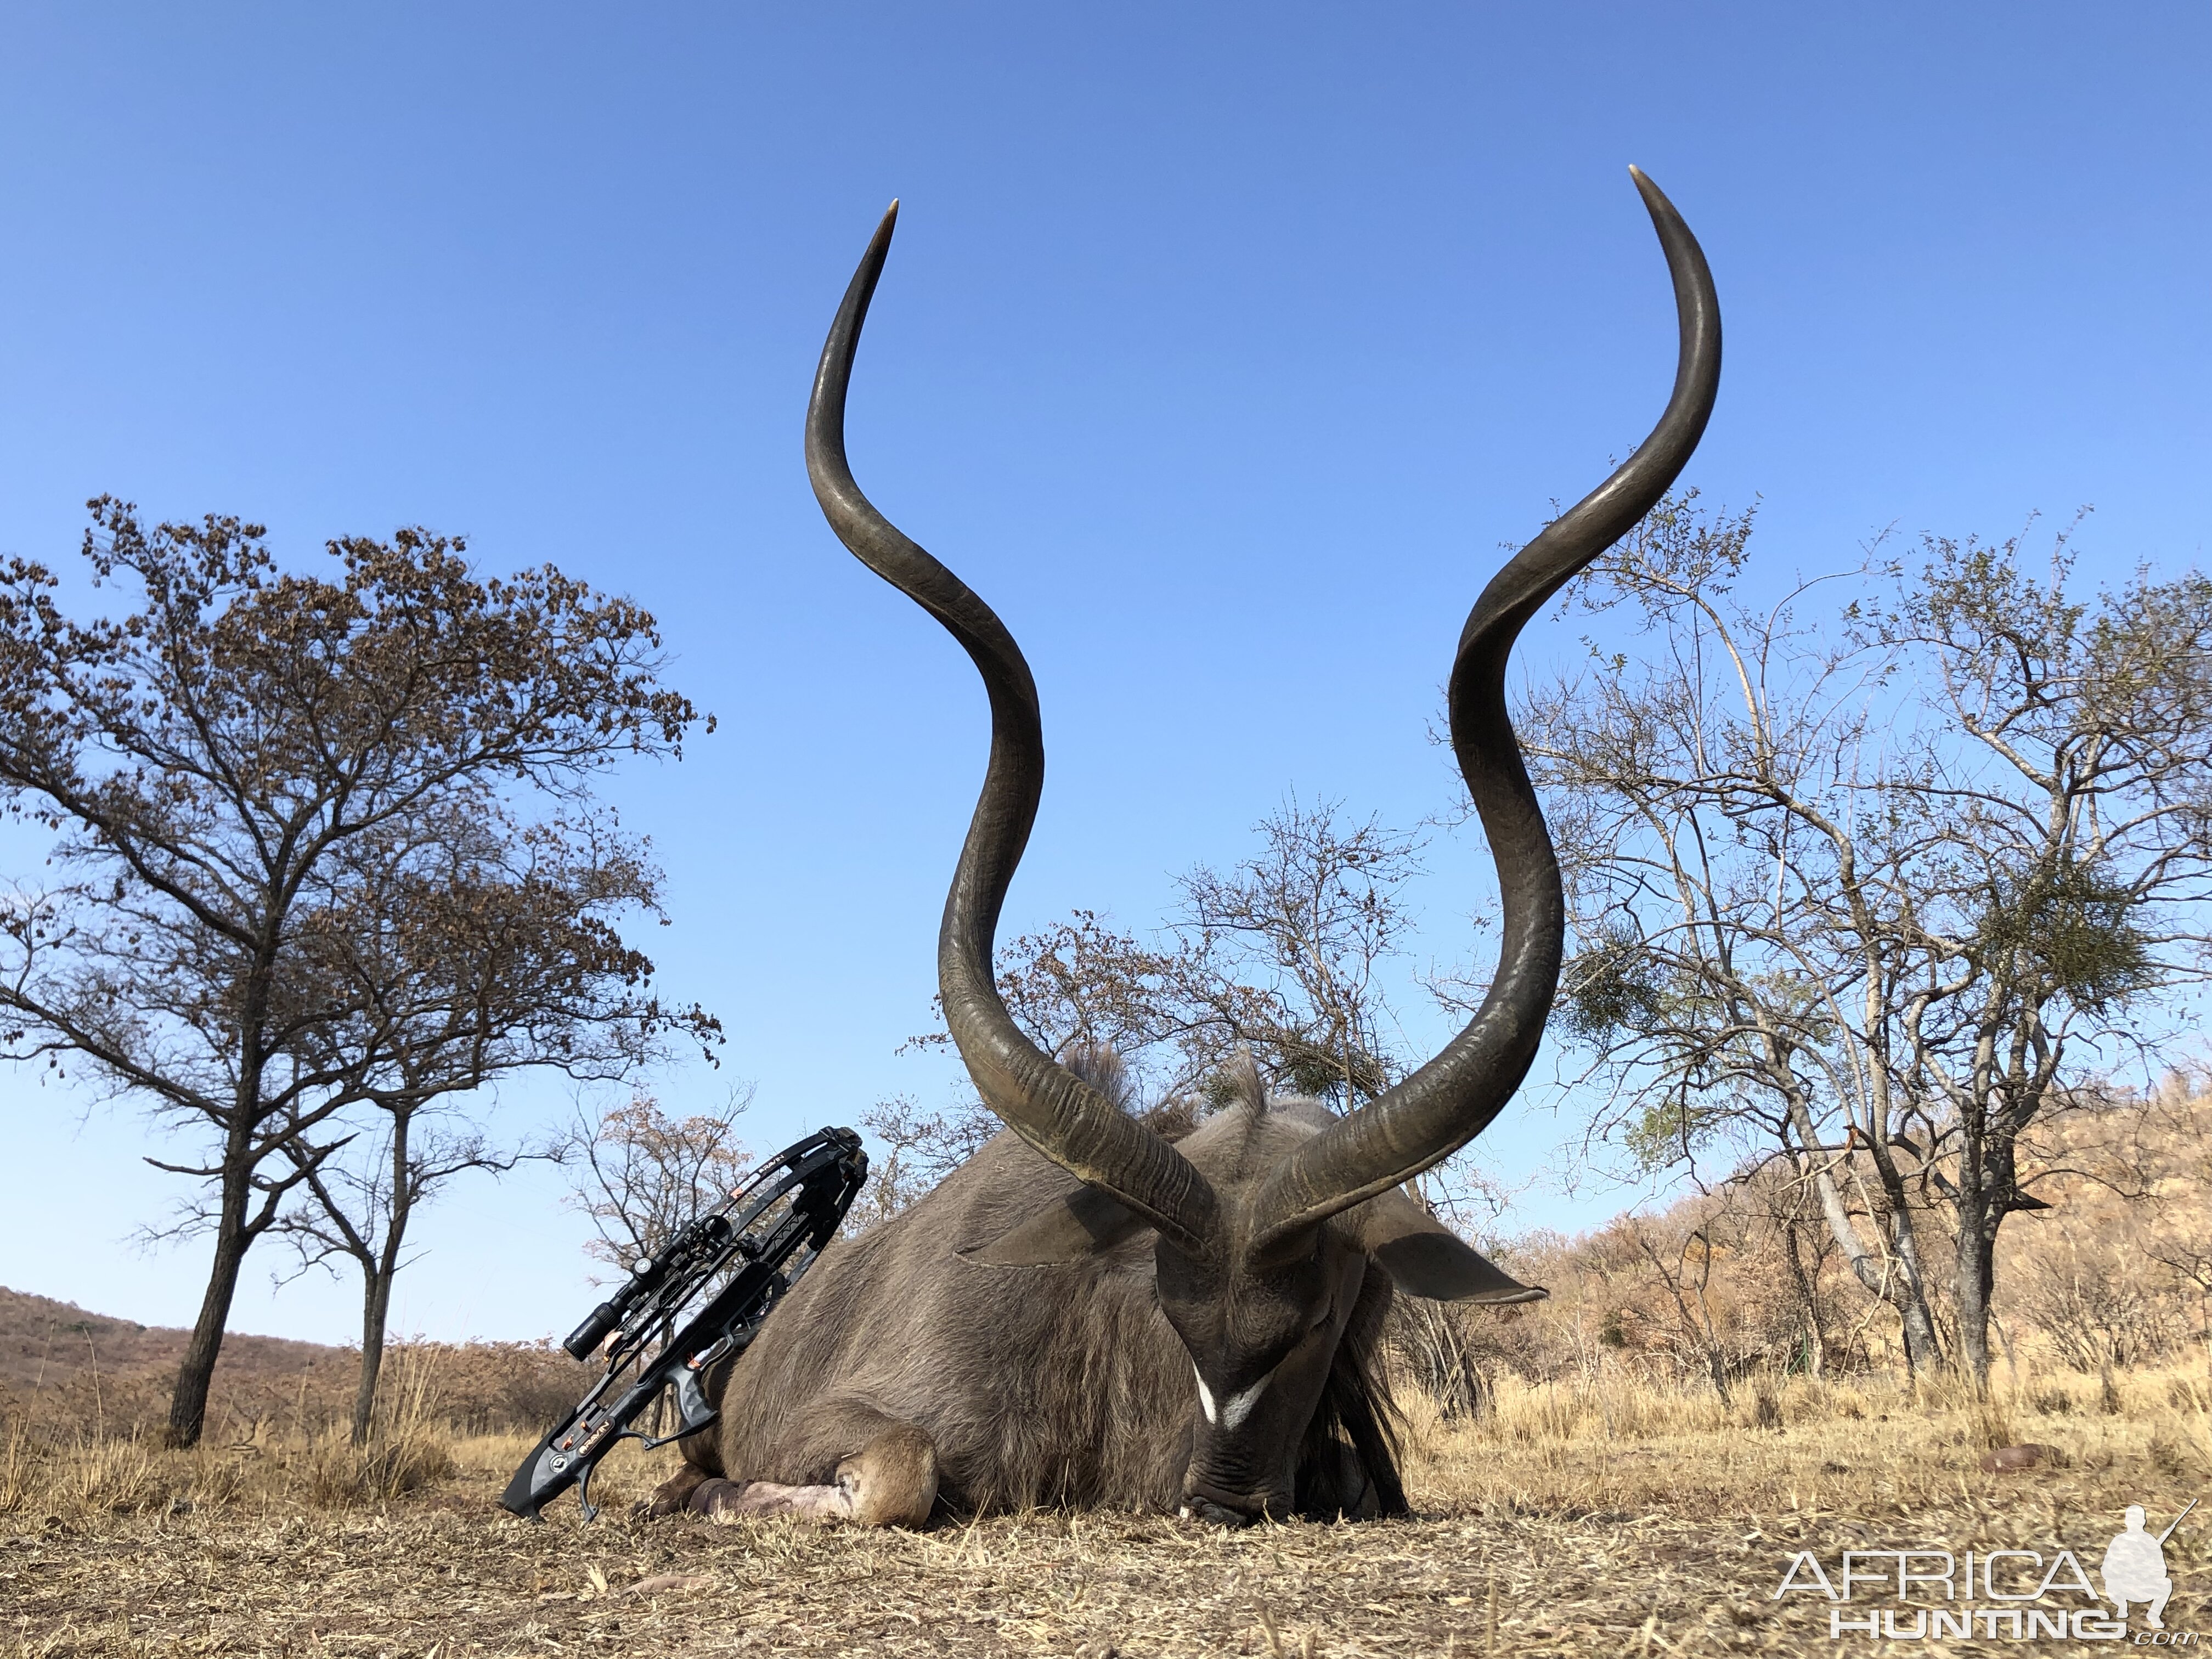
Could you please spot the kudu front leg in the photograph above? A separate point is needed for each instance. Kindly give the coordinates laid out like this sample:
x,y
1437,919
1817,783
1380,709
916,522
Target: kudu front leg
x,y
673,1495
890,1481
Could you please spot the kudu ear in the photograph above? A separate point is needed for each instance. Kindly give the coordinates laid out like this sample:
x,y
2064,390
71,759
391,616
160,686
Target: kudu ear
x,y
1084,1222
1424,1258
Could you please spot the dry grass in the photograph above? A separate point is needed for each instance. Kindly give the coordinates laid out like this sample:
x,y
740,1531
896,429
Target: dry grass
x,y
65,1370
1608,1517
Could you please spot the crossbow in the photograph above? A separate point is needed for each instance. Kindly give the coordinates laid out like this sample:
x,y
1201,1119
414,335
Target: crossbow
x,y
699,1300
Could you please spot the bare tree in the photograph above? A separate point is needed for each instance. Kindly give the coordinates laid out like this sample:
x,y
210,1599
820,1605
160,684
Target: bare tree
x,y
1278,956
1805,1249
2089,1294
259,781
638,1175
1079,984
918,1150
1875,895
360,1202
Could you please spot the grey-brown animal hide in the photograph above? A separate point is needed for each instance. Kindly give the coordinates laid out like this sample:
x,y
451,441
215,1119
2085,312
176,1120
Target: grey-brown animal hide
x,y
1061,1384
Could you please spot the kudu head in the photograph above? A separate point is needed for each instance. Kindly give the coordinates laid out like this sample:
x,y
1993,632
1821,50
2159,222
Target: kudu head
x,y
1267,1219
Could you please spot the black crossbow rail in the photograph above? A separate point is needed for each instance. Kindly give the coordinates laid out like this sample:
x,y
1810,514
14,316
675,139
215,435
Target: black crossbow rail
x,y
735,1262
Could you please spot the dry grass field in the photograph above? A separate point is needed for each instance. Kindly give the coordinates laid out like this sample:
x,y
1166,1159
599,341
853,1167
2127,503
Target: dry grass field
x,y
1598,1518
1618,1507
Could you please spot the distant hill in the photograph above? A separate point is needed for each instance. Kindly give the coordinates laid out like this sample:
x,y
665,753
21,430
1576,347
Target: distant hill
x,y
57,1360
49,1343
64,1369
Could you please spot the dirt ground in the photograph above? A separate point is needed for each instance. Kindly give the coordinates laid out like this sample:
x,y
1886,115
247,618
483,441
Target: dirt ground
x,y
1526,1546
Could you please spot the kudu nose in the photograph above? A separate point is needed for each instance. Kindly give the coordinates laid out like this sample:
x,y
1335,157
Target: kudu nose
x,y
1201,1502
1197,1508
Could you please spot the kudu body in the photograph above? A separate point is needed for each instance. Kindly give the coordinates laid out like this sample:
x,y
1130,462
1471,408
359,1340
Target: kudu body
x,y
1085,1314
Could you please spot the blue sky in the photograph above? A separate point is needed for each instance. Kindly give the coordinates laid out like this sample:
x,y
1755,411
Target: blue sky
x,y
1220,348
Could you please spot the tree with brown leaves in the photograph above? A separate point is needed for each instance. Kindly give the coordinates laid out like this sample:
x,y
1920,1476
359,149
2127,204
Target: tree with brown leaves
x,y
302,873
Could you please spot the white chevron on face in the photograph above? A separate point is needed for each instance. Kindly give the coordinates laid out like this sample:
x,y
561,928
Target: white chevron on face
x,y
1239,1406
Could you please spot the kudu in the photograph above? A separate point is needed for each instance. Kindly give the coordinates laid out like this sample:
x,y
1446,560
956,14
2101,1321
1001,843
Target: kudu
x,y
1029,1332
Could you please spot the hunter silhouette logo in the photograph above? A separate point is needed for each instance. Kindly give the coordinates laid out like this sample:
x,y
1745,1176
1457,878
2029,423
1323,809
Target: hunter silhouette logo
x,y
2017,1594
2134,1568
